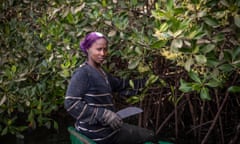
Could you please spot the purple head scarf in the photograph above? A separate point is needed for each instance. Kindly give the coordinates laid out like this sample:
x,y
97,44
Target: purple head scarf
x,y
90,38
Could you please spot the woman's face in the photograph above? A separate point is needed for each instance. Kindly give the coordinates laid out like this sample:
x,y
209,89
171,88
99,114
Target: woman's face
x,y
97,52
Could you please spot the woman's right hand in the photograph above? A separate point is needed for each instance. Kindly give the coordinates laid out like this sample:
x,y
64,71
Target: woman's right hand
x,y
112,119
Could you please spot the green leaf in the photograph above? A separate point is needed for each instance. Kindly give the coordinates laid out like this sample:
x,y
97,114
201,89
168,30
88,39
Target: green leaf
x,y
236,63
131,83
188,64
204,94
31,116
219,37
177,33
133,64
169,5
159,44
143,68
195,49
22,128
162,82
208,48
185,87
211,21
138,50
197,86
14,68
163,27
234,89
237,20
49,47
201,59
195,1
160,14
213,62
55,125
5,130
134,2
176,43
70,18
226,67
201,13
48,124
153,78
213,83
194,76
236,53
225,3
133,99
2,100
7,29
104,3
179,10
192,34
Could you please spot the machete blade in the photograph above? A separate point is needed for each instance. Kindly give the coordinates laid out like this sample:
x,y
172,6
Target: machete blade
x,y
129,111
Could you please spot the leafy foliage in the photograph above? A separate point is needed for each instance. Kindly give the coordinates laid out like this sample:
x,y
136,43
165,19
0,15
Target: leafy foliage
x,y
198,33
31,89
189,47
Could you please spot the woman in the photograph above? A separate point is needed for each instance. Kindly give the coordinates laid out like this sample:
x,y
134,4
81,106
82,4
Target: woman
x,y
89,98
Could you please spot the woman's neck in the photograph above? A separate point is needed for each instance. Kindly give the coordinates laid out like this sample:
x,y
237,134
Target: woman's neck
x,y
95,65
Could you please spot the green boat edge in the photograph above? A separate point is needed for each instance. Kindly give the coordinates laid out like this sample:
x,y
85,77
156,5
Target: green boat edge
x,y
78,138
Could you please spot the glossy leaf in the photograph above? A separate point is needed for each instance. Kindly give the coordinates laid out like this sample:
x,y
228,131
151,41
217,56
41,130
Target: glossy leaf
x,y
143,68
208,48
194,76
133,99
213,83
226,67
134,2
234,89
159,44
237,20
211,21
197,87
14,68
185,87
188,64
169,5
176,43
152,79
133,63
138,50
163,27
131,83
204,94
4,131
236,53
200,59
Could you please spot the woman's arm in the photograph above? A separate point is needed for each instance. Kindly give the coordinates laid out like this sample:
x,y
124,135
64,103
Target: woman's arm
x,y
74,102
123,85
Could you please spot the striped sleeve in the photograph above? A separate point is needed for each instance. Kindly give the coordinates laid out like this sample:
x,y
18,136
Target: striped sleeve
x,y
74,103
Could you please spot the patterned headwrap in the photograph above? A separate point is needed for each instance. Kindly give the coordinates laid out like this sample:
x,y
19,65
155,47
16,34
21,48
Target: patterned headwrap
x,y
90,38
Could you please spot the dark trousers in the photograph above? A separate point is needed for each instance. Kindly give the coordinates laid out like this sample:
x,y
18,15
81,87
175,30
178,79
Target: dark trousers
x,y
131,134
